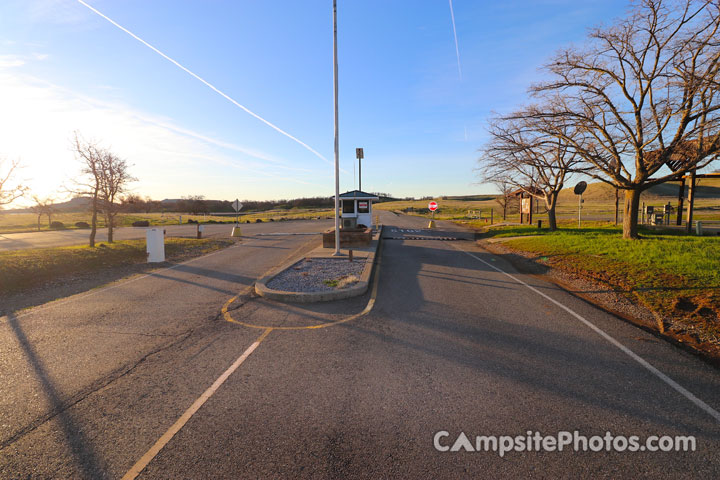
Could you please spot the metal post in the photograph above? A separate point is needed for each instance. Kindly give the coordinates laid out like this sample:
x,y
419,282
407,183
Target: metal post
x,y
681,197
337,142
617,205
691,202
360,174
579,209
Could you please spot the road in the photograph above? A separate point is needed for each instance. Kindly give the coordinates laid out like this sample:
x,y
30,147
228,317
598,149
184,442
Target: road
x,y
150,370
64,238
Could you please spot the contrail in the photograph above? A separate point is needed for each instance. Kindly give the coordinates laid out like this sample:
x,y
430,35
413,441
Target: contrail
x,y
457,50
213,87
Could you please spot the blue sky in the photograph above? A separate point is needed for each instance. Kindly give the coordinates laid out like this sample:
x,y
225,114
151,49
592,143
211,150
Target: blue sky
x,y
64,68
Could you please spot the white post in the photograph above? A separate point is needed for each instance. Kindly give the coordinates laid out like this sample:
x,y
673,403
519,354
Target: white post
x,y
337,143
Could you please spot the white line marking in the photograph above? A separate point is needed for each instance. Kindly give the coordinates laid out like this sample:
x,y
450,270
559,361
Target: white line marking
x,y
679,388
155,449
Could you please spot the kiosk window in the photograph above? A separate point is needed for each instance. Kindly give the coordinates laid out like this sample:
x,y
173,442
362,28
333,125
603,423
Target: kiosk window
x,y
363,207
348,206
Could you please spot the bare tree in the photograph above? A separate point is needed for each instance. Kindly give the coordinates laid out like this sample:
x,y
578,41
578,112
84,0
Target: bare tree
x,y
643,93
104,178
43,206
10,190
526,152
132,203
195,204
152,205
114,179
88,185
505,187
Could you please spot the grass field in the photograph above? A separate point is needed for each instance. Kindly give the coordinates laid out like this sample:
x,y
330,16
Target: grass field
x,y
674,275
27,222
23,269
599,204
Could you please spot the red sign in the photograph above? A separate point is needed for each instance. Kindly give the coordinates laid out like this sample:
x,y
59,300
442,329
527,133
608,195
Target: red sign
x,y
362,204
432,206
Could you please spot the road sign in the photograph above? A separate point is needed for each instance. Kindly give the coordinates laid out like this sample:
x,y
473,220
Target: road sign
x,y
580,188
432,206
359,153
237,205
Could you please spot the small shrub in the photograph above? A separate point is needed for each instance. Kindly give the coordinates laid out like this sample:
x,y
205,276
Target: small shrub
x,y
82,225
57,225
192,221
141,223
259,220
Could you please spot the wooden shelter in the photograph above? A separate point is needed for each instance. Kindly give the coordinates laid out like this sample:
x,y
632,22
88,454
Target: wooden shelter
x,y
679,159
526,201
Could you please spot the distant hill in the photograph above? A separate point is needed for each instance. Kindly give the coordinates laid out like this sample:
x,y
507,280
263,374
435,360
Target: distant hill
x,y
77,204
599,191
469,198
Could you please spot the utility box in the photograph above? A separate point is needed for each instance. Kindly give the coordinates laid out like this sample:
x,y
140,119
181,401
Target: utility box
x,y
155,238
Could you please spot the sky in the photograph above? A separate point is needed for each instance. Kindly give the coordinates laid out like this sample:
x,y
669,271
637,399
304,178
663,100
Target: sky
x,y
416,101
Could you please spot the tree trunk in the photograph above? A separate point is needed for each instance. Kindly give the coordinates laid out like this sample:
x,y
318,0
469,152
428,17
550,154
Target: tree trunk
x,y
40,215
551,203
630,214
110,221
93,221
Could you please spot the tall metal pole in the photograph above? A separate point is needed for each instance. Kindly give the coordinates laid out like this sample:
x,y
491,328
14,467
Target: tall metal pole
x,y
337,142
360,174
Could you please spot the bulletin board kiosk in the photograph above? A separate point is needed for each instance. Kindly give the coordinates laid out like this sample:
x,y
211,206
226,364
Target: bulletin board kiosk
x,y
356,209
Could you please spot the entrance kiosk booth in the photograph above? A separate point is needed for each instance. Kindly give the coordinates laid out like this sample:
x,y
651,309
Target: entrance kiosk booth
x,y
355,221
356,209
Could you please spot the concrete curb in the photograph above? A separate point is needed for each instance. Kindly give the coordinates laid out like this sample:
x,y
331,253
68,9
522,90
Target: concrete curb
x,y
356,290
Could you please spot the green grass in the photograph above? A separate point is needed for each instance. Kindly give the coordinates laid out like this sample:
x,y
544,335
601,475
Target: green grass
x,y
23,269
668,272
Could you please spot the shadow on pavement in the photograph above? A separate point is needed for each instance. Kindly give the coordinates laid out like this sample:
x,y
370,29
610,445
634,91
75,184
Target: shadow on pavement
x,y
79,445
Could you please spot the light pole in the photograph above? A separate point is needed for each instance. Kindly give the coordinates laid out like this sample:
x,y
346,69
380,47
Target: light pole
x,y
337,142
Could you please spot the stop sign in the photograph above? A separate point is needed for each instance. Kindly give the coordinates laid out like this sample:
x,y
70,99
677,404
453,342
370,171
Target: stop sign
x,y
432,206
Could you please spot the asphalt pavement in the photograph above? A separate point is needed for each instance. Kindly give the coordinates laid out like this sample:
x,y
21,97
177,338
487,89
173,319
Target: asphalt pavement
x,y
153,375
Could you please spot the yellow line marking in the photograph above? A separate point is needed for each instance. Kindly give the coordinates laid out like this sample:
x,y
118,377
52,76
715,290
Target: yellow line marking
x,y
155,449
141,464
366,310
